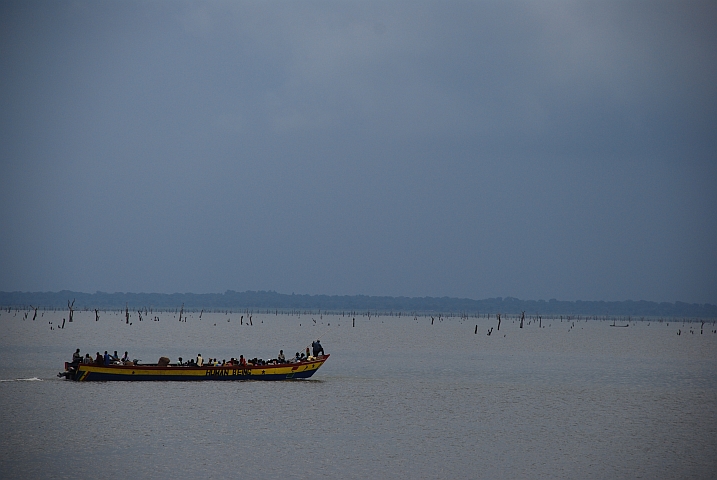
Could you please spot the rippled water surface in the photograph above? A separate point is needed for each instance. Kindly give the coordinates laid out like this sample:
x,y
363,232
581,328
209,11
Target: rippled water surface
x,y
399,397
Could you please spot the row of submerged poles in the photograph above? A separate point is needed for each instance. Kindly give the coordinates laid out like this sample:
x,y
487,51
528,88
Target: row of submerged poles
x,y
142,313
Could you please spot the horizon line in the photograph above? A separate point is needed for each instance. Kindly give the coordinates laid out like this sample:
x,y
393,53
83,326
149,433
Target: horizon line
x,y
358,295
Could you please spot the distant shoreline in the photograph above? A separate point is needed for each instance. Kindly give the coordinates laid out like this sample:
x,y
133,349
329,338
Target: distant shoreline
x,y
273,301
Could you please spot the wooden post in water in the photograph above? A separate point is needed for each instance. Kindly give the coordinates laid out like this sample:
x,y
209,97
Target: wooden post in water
x,y
70,305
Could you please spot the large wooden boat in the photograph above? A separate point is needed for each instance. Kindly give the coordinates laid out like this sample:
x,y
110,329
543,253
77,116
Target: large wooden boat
x,y
282,371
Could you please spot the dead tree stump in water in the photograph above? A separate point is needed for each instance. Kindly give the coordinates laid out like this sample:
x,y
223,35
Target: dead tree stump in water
x,y
70,306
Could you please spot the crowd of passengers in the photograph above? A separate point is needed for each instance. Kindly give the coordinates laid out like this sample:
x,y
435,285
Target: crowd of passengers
x,y
99,359
114,359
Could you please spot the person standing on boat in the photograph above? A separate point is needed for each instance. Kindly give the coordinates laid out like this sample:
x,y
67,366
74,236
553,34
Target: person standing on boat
x,y
76,357
200,360
318,349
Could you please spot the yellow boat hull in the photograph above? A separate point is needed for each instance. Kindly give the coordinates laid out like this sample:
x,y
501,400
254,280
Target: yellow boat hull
x,y
88,372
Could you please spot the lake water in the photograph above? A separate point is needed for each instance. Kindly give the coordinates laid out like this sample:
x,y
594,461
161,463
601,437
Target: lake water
x,y
399,398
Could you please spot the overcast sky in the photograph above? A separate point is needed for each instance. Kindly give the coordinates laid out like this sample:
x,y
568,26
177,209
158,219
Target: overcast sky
x,y
468,149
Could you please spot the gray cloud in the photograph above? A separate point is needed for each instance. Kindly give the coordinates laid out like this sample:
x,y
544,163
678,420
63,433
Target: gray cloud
x,y
467,149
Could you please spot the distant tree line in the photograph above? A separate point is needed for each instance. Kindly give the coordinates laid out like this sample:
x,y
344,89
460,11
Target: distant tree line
x,y
270,300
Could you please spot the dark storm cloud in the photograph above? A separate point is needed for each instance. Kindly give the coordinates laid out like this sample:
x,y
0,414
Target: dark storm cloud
x,y
465,149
